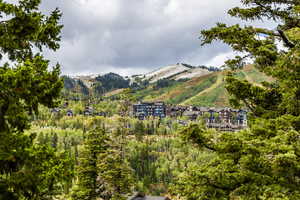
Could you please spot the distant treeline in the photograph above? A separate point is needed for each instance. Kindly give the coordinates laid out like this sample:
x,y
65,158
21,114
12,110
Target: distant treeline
x,y
210,68
100,85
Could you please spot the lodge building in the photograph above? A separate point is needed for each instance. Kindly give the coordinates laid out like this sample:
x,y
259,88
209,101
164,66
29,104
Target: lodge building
x,y
146,109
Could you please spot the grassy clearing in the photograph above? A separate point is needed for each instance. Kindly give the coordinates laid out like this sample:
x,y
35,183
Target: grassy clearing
x,y
210,98
207,90
190,90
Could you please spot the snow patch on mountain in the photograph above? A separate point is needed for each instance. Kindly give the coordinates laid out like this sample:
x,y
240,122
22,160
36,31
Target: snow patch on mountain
x,y
192,73
165,72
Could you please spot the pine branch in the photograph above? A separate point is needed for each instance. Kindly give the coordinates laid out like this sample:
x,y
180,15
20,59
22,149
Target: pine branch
x,y
285,39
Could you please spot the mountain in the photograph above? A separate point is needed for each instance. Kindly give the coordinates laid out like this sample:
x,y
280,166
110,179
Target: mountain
x,y
180,84
73,85
203,90
101,84
176,72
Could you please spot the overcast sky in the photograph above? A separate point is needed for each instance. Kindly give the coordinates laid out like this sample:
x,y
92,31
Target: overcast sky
x,y
136,36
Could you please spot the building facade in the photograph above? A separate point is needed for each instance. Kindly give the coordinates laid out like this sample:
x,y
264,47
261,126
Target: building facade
x,y
146,109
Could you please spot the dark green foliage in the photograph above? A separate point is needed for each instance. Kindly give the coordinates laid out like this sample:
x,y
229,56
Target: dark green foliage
x,y
83,88
4,194
115,174
211,68
74,87
139,84
96,142
23,88
102,172
111,81
259,164
42,168
263,161
156,161
101,84
54,140
162,83
143,160
97,87
69,83
42,173
26,27
261,101
27,171
139,130
187,65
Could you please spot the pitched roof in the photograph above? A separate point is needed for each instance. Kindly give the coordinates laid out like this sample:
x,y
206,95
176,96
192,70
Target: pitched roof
x,y
149,198
155,198
142,197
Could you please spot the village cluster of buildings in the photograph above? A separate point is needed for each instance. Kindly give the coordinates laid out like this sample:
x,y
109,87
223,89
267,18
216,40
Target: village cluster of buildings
x,y
226,119
88,111
219,118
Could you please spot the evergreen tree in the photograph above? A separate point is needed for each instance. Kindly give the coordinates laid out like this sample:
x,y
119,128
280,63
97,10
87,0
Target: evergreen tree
x,y
25,85
54,140
139,130
115,174
264,161
102,172
96,142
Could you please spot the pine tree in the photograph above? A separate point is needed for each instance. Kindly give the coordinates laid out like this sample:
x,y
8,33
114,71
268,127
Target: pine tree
x,y
26,84
264,161
116,174
102,171
54,140
96,142
139,130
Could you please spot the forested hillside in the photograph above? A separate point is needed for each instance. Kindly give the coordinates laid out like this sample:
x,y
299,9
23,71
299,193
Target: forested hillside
x,y
87,86
203,90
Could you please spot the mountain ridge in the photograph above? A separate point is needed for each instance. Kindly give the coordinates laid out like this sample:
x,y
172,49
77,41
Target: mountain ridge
x,y
183,86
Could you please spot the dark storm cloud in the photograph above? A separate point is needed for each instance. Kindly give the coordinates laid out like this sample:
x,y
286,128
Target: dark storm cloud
x,y
132,36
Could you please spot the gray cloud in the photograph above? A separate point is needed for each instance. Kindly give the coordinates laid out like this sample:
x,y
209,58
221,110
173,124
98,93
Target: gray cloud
x,y
133,36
